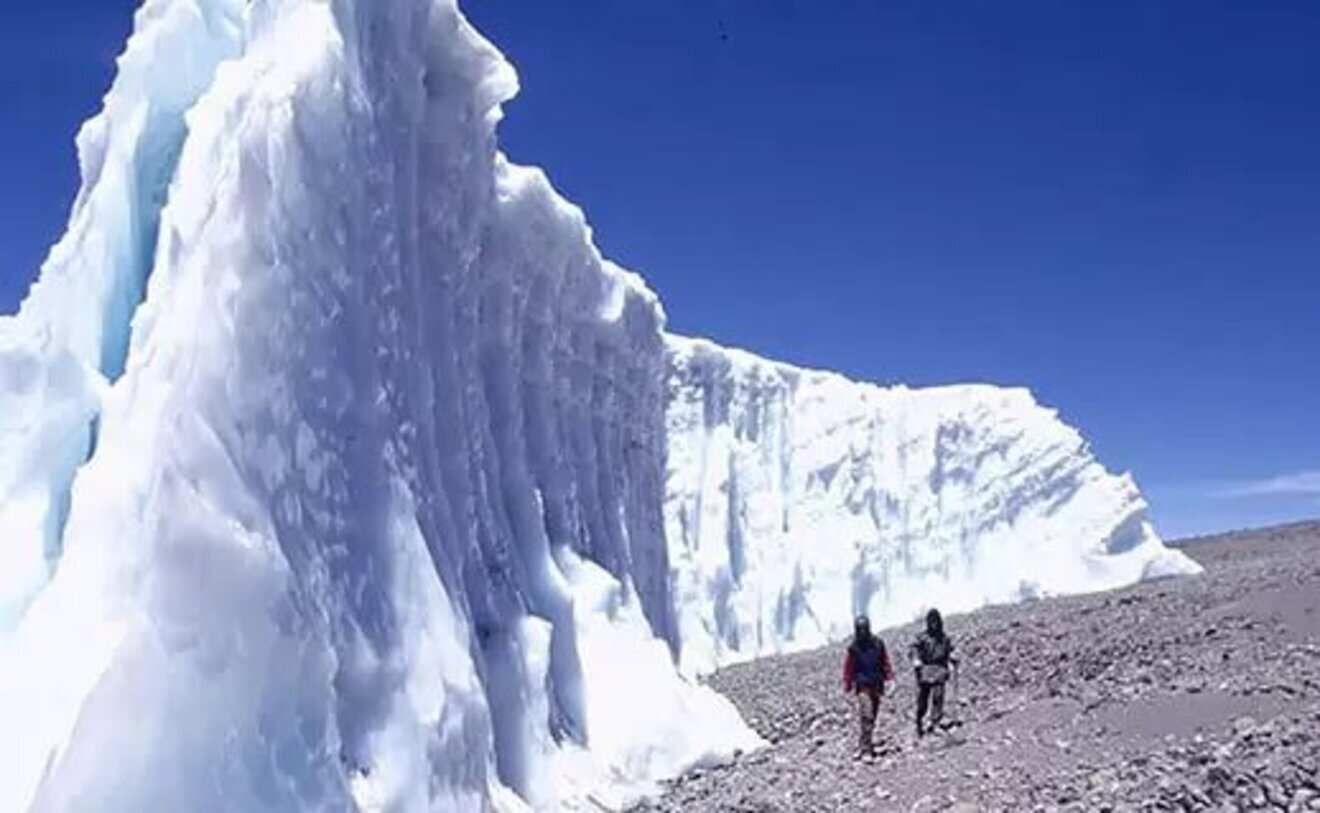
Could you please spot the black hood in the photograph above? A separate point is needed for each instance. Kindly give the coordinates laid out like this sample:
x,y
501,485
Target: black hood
x,y
935,623
862,629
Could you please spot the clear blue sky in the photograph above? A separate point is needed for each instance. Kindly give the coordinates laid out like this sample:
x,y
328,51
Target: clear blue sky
x,y
1115,204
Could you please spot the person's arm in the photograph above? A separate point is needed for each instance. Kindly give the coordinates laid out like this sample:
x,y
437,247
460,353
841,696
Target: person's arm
x,y
885,665
848,668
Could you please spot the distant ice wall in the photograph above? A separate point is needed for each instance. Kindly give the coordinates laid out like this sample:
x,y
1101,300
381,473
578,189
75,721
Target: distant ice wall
x,y
796,499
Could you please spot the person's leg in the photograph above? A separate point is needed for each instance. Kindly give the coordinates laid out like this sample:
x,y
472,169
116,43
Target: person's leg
x,y
923,698
937,705
866,722
875,713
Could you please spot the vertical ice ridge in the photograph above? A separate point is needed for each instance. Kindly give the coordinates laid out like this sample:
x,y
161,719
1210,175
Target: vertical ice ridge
x,y
94,277
71,334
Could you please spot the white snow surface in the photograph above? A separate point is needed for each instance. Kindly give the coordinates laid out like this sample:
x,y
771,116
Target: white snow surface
x,y
796,499
339,471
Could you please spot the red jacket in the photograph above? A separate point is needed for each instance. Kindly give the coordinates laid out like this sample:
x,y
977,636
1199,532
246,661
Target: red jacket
x,y
850,668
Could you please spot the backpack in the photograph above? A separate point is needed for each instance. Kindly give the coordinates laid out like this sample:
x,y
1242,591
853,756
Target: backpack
x,y
868,663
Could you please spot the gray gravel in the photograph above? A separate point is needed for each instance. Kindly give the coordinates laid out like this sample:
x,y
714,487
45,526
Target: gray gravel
x,y
1187,694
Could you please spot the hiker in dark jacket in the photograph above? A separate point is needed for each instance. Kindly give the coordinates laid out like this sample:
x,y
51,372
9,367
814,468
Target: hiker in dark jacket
x,y
865,671
932,656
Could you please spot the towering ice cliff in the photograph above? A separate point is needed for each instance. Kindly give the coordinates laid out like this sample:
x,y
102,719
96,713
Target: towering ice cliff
x,y
338,470
373,515
796,499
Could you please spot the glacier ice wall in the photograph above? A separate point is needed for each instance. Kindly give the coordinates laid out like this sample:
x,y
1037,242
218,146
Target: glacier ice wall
x,y
374,513
796,499
392,494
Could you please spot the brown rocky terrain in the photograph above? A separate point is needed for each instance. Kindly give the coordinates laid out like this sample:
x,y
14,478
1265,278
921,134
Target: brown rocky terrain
x,y
1198,693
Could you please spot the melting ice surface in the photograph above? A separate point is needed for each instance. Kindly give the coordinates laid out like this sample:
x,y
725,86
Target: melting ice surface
x,y
392,494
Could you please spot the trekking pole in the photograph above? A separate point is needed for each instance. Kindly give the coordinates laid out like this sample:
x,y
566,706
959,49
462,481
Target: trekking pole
x,y
956,670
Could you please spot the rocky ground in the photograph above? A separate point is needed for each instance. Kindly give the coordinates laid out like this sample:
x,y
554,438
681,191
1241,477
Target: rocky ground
x,y
1188,694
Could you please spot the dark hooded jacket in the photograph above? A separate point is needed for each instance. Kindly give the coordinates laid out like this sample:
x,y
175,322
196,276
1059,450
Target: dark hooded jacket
x,y
933,647
867,665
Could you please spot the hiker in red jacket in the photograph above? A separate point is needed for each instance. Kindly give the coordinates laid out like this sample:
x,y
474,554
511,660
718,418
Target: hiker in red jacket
x,y
865,671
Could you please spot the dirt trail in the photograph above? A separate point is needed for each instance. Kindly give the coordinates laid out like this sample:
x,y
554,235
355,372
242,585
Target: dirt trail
x,y
1189,694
